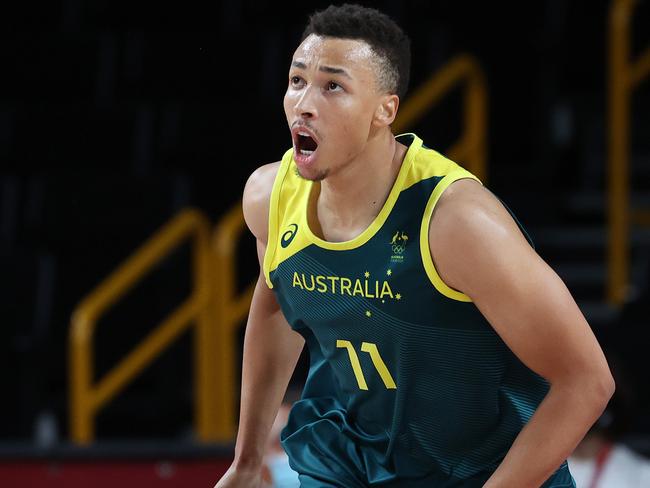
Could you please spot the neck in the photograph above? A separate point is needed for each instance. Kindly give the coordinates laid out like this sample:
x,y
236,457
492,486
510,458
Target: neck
x,y
355,194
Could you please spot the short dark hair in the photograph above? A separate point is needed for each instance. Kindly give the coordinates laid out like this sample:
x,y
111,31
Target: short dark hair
x,y
387,40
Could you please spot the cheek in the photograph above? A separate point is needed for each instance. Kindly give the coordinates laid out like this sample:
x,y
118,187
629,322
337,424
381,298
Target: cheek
x,y
352,134
288,103
346,110
356,122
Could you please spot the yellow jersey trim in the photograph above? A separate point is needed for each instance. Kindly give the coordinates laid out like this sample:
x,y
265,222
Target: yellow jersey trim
x,y
425,250
287,234
380,219
274,223
429,163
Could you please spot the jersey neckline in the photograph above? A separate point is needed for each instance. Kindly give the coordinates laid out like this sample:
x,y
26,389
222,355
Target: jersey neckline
x,y
381,217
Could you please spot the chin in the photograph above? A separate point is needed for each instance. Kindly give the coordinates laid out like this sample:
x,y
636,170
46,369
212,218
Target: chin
x,y
312,175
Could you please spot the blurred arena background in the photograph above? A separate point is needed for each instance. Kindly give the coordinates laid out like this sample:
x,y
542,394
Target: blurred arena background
x,y
127,132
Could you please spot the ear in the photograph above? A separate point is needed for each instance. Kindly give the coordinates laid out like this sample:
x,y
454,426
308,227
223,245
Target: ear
x,y
386,110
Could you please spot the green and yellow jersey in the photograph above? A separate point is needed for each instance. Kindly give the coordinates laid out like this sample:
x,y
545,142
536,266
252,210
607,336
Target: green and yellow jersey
x,y
408,382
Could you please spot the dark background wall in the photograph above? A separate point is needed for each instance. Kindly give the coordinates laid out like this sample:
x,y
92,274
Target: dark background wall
x,y
116,115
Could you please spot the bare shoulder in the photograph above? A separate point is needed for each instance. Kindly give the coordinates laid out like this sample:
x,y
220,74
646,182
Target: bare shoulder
x,y
470,218
480,250
470,207
257,197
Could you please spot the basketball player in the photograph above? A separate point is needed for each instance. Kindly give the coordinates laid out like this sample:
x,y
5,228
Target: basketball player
x,y
443,350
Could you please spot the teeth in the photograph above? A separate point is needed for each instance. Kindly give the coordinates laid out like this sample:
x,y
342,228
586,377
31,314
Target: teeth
x,y
303,134
305,152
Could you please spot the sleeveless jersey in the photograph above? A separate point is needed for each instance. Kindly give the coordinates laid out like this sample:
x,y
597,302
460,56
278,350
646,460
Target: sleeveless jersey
x,y
408,383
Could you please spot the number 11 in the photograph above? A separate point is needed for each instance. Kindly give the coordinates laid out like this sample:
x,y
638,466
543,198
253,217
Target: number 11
x,y
370,348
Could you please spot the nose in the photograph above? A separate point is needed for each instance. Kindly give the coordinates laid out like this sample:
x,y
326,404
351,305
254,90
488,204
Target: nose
x,y
305,107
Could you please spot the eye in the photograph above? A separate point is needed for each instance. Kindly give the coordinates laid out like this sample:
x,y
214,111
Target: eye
x,y
333,86
295,81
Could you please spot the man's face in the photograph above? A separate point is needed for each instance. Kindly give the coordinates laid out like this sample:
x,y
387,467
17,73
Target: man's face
x,y
330,103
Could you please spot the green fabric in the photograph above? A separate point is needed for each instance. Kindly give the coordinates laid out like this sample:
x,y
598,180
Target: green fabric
x,y
460,396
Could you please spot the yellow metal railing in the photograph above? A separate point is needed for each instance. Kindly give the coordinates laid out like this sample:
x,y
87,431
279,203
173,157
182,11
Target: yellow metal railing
x,y
625,75
87,397
472,146
230,309
215,305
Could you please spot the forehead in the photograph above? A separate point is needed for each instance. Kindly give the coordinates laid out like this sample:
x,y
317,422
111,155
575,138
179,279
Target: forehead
x,y
352,54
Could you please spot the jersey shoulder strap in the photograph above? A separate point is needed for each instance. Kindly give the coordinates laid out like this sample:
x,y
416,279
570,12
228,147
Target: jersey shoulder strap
x,y
286,216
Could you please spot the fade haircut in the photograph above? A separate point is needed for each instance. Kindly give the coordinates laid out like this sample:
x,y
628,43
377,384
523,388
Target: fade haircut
x,y
391,46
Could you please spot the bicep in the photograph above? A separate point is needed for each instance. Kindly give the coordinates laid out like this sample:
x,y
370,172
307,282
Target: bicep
x,y
524,300
532,310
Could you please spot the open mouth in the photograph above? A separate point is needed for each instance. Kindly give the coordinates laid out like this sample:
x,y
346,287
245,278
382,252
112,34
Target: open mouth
x,y
305,144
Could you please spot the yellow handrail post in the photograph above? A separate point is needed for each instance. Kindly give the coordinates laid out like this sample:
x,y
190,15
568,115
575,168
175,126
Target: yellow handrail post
x,y
472,145
205,401
624,75
81,373
230,309
476,116
87,397
618,144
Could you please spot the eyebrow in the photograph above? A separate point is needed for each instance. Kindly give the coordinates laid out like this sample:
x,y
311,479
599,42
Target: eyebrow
x,y
325,69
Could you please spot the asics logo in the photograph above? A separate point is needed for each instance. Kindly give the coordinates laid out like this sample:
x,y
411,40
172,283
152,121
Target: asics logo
x,y
288,236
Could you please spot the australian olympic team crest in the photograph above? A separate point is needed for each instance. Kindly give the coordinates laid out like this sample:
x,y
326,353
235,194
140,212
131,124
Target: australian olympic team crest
x,y
398,245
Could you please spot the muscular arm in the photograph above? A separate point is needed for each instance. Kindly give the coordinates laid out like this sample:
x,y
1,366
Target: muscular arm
x,y
479,250
271,347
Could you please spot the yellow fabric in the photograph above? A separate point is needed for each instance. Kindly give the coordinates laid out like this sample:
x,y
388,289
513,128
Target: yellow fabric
x,y
425,250
290,198
288,201
428,163
403,175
